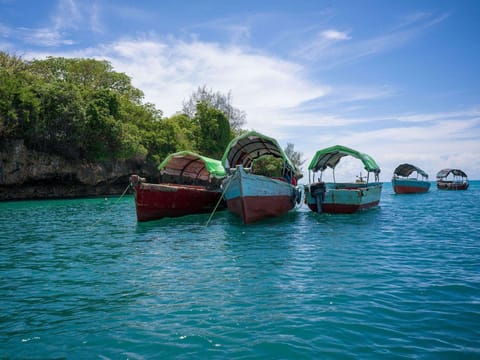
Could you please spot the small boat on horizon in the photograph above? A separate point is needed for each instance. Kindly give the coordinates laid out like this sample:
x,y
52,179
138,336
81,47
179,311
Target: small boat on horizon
x,y
403,183
342,197
452,179
252,196
189,184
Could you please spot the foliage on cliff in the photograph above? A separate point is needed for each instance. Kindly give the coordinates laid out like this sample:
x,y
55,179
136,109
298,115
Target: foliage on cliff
x,y
82,109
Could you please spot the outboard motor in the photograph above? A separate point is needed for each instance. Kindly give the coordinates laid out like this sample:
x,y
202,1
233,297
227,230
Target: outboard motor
x,y
298,194
317,191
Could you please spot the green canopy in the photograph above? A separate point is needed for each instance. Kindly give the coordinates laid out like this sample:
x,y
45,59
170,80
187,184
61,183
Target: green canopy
x,y
192,165
329,157
246,148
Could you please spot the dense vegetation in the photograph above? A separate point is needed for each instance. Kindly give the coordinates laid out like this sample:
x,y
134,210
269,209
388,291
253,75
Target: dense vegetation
x,y
83,110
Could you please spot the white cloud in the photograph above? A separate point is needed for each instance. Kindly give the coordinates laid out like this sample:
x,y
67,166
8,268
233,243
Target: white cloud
x,y
453,115
67,15
328,51
95,19
43,37
446,140
4,30
169,71
335,35
422,19
279,98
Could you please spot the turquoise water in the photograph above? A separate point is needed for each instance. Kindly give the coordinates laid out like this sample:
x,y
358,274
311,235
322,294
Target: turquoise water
x,y
81,279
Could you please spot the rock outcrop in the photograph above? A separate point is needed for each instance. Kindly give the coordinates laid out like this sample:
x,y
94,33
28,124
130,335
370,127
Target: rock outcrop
x,y
29,174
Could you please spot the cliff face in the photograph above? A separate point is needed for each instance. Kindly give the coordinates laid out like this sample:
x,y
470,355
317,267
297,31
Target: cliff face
x,y
28,174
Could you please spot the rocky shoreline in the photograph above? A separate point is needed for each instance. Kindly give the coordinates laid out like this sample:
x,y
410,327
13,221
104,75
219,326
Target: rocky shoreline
x,y
28,174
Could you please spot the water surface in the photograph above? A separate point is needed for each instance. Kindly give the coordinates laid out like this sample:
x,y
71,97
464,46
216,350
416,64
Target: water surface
x,y
81,279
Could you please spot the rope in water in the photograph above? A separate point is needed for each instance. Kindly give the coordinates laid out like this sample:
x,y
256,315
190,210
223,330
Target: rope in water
x,y
219,200
110,209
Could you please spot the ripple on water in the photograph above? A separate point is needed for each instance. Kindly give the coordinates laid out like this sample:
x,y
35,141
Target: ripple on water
x,y
83,277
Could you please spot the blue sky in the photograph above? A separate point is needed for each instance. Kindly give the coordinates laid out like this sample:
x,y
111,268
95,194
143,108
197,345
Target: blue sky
x,y
398,80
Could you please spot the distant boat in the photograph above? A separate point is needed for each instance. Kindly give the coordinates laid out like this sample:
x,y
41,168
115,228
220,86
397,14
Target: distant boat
x,y
452,179
402,183
251,196
342,197
189,184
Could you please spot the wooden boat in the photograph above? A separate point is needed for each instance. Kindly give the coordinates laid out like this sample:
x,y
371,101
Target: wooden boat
x,y
189,184
452,179
342,197
404,183
252,196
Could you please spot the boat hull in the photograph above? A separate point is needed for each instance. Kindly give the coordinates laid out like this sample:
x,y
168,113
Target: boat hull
x,y
343,198
452,185
255,197
410,186
156,201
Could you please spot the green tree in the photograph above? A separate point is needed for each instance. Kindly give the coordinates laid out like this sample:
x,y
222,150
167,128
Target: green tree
x,y
295,157
102,129
214,131
58,124
89,111
185,132
268,165
11,63
217,100
87,74
271,166
18,103
82,109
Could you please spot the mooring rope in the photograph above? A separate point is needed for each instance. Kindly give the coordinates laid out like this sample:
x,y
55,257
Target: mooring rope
x,y
110,209
219,200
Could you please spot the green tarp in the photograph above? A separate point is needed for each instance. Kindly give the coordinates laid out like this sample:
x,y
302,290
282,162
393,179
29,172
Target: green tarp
x,y
329,157
190,164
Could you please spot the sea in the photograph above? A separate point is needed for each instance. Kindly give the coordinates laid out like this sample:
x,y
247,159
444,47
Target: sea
x,y
82,279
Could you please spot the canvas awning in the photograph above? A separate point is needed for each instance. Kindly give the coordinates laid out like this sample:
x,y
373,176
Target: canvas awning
x,y
248,147
445,172
407,169
330,157
192,165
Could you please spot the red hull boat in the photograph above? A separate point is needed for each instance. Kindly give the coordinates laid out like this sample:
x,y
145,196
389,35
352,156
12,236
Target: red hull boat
x,y
189,184
251,195
452,185
342,197
156,201
404,183
452,179
254,197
